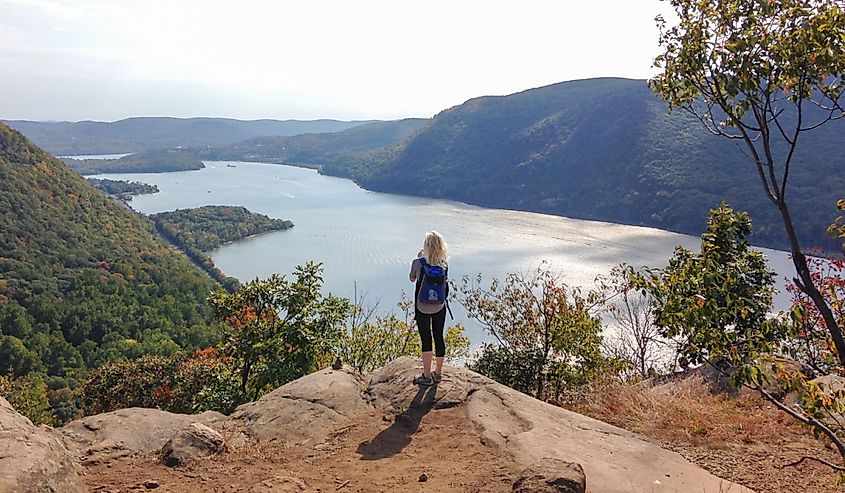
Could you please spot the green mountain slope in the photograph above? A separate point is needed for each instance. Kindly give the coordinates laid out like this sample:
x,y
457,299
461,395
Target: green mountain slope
x,y
82,279
606,149
152,161
347,153
137,134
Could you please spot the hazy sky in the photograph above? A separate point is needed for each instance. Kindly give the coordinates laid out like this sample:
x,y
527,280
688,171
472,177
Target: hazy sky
x,y
111,59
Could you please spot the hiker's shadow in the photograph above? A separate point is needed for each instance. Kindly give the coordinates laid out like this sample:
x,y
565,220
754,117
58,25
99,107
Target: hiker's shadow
x,y
394,439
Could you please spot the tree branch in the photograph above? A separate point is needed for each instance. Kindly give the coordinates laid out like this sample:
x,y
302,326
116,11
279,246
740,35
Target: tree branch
x,y
829,464
760,116
807,420
749,141
792,145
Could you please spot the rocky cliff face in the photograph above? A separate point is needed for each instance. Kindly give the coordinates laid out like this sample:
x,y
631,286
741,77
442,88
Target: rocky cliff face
x,y
34,458
546,448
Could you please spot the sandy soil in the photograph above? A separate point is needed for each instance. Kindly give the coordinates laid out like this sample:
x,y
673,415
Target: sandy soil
x,y
379,453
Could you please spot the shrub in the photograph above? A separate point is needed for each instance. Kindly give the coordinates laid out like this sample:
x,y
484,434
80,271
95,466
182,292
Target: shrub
x,y
181,383
28,395
548,334
279,330
371,344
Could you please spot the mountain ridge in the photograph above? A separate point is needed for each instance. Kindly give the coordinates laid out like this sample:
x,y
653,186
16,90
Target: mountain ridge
x,y
145,133
606,149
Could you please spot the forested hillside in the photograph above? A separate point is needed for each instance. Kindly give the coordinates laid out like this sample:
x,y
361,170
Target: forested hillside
x,y
122,189
137,134
200,230
154,161
606,149
84,281
209,227
348,153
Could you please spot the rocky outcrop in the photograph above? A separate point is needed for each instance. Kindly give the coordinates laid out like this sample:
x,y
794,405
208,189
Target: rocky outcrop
x,y
551,476
305,408
556,450
127,431
614,460
197,440
33,458
831,383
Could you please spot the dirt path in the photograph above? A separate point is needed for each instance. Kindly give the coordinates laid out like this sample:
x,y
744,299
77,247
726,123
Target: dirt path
x,y
376,454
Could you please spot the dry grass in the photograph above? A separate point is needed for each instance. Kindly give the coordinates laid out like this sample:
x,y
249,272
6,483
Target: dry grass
x,y
686,411
743,439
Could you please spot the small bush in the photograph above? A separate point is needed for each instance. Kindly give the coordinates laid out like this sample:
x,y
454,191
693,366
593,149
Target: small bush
x,y
182,384
28,395
549,334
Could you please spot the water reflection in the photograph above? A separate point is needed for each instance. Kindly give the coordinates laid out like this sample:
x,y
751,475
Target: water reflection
x,y
368,238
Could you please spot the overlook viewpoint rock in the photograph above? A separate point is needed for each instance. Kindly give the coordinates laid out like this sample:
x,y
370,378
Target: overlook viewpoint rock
x,y
33,458
335,430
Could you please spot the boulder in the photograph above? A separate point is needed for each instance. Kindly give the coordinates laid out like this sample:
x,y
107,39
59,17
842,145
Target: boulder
x,y
305,408
614,460
551,476
197,440
392,386
34,458
830,383
106,436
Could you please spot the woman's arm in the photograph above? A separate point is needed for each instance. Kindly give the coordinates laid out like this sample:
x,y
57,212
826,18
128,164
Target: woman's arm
x,y
415,270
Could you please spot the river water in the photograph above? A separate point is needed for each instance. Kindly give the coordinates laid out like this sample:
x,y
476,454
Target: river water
x,y
366,240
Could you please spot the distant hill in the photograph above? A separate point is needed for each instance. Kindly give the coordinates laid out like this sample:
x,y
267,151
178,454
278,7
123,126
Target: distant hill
x,y
83,280
605,149
347,153
152,161
138,134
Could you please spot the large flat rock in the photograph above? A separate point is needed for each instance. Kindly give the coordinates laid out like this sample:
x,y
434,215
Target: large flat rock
x,y
127,431
33,458
305,408
614,460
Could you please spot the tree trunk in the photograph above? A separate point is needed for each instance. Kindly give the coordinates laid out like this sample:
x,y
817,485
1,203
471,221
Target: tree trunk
x,y
245,376
808,287
540,382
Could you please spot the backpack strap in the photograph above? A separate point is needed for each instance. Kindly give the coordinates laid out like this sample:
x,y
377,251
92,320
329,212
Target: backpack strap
x,y
418,284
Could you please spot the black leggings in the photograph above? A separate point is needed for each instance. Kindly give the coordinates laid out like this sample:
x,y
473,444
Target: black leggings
x,y
429,325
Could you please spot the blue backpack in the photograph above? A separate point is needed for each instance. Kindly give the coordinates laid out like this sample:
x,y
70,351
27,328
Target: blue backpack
x,y
433,286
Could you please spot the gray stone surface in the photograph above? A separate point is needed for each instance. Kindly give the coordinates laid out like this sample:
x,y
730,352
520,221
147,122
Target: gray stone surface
x,y
551,476
106,436
534,433
197,440
831,383
34,458
614,460
305,408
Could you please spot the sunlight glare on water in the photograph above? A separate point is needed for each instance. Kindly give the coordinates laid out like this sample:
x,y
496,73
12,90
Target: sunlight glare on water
x,y
368,239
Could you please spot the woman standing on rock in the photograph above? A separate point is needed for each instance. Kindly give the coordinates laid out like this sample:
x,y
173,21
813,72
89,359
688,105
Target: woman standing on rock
x,y
430,272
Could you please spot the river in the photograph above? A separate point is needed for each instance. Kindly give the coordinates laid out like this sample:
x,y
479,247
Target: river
x,y
366,240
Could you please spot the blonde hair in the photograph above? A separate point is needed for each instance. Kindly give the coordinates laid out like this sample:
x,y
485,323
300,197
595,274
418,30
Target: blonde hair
x,y
435,250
